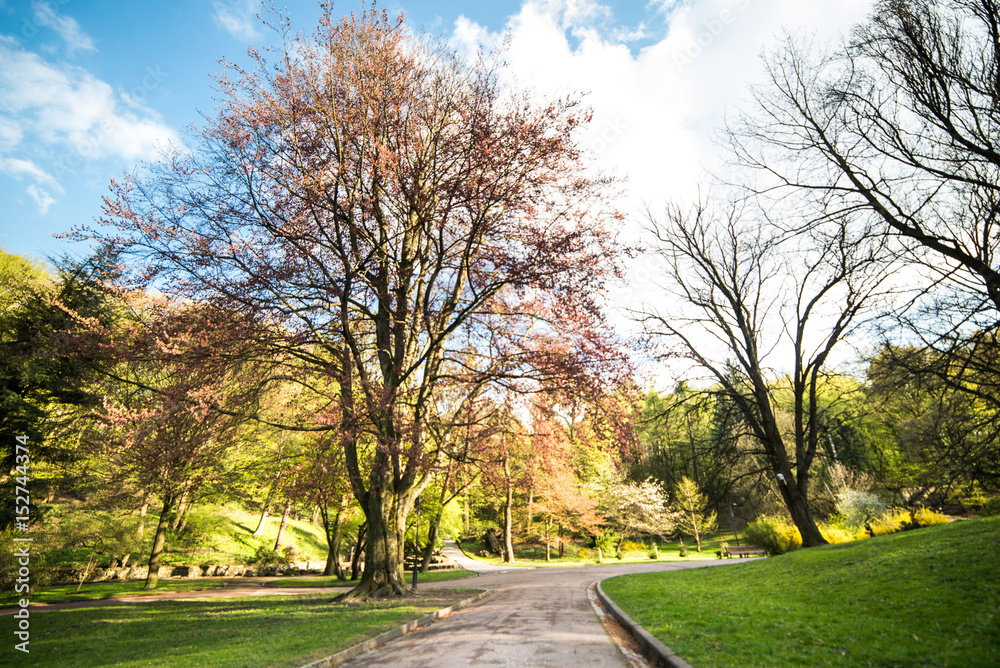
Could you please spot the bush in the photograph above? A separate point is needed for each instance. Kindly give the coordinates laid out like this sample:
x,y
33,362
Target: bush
x,y
836,534
654,552
990,508
682,549
926,517
631,546
584,553
854,508
775,535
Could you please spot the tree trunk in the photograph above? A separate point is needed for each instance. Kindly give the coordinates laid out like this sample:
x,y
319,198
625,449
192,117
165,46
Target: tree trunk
x,y
140,532
334,538
801,514
181,509
383,575
158,543
432,534
508,555
283,525
315,515
358,550
548,530
182,517
259,531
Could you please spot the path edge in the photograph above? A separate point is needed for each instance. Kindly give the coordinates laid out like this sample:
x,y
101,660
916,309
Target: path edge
x,y
351,653
657,650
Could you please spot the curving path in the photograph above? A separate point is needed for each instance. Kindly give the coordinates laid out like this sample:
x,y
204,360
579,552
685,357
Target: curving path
x,y
535,617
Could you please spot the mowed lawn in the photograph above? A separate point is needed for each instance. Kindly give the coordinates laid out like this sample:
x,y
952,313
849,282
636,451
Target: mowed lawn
x,y
222,633
929,597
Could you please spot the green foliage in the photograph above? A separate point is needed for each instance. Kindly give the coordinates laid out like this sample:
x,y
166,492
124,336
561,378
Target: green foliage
x,y
990,508
607,542
682,549
856,507
654,552
775,535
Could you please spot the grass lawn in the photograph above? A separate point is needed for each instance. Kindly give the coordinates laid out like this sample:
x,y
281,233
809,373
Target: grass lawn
x,y
98,590
929,597
320,581
257,631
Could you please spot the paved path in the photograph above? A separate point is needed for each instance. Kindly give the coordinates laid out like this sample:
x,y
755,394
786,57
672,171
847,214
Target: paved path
x,y
451,551
537,617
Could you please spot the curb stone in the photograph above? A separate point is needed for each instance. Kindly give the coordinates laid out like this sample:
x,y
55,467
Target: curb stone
x,y
351,653
657,650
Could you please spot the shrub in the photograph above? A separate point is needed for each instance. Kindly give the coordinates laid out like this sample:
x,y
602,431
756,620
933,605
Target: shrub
x,y
682,549
990,508
631,546
584,553
775,535
836,534
654,552
856,507
926,517
890,522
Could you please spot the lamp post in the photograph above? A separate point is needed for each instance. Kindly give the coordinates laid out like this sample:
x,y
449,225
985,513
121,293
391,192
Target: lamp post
x,y
416,543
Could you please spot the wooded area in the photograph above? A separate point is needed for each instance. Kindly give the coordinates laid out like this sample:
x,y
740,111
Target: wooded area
x,y
380,275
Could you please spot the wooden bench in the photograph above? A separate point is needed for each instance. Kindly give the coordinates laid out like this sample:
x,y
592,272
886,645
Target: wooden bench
x,y
743,551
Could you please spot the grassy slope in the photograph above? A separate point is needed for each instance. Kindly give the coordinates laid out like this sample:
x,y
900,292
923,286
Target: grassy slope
x,y
929,597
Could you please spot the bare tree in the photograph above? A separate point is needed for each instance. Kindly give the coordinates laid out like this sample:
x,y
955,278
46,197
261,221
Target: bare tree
x,y
749,296
899,128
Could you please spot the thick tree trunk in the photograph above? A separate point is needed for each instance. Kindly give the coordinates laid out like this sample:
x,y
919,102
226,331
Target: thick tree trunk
x,y
158,543
801,514
284,524
315,515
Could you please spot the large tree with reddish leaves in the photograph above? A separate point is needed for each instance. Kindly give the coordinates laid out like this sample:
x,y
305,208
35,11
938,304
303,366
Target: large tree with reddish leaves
x,y
399,221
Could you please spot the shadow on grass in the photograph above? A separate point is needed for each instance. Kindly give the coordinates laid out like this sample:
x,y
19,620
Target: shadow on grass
x,y
273,631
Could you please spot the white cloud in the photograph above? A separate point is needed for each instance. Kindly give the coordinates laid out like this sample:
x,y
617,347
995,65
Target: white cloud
x,y
16,168
68,28
656,107
237,17
42,199
68,109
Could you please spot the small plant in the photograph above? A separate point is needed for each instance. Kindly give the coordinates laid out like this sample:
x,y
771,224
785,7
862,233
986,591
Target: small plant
x,y
925,517
682,549
584,553
775,535
654,552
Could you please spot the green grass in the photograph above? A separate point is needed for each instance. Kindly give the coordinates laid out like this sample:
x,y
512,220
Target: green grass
x,y
259,631
320,581
929,597
534,555
99,590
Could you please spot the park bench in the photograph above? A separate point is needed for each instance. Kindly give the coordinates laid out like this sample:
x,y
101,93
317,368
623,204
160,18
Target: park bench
x,y
743,551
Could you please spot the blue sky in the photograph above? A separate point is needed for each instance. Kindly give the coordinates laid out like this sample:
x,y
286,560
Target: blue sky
x,y
90,88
